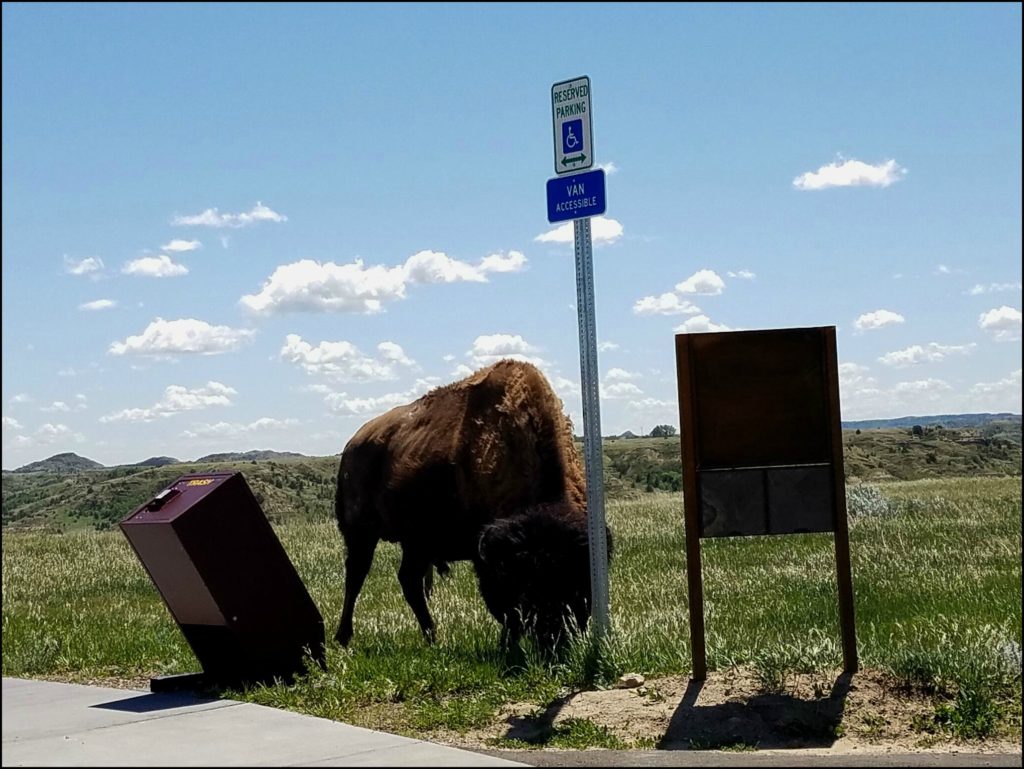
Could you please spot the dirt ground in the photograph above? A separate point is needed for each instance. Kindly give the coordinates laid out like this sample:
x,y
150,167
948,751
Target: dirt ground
x,y
838,714
833,714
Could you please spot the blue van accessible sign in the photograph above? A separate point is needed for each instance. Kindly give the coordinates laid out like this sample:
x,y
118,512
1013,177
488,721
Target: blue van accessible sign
x,y
576,197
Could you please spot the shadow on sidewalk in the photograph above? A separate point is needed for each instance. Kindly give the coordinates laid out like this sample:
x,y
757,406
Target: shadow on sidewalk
x,y
149,703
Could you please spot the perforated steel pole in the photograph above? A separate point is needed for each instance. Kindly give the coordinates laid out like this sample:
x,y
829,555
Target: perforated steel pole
x,y
592,452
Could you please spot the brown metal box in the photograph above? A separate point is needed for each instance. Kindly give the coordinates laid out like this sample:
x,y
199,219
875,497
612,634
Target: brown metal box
x,y
226,579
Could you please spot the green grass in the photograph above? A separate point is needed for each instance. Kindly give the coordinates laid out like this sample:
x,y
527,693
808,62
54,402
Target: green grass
x,y
937,583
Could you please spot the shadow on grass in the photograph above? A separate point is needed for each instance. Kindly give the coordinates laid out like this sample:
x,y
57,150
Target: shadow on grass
x,y
764,721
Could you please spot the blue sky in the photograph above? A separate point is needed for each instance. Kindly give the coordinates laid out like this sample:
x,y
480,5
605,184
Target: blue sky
x,y
231,227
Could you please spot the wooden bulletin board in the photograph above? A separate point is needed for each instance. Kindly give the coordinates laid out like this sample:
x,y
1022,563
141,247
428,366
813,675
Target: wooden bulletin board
x,y
762,450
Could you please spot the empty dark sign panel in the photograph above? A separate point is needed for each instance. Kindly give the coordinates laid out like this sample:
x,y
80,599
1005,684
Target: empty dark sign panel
x,y
763,450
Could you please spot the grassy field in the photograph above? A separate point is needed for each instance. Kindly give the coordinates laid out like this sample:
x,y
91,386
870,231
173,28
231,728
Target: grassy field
x,y
937,581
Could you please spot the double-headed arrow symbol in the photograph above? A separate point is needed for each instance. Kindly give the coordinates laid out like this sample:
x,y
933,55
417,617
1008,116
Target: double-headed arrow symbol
x,y
577,159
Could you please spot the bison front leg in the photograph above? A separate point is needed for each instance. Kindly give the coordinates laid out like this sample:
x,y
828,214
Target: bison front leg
x,y
412,575
358,557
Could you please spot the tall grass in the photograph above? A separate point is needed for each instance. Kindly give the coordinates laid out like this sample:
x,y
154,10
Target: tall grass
x,y
936,573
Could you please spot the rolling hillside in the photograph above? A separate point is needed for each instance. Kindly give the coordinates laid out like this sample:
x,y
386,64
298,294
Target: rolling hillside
x,y
73,495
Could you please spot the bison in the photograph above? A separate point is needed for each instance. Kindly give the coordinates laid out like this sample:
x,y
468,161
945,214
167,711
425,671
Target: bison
x,y
483,470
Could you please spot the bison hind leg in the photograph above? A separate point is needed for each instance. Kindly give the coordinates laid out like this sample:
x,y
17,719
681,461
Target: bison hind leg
x,y
359,549
443,567
415,575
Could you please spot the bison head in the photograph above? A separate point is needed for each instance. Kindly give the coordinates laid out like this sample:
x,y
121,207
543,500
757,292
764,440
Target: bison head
x,y
533,569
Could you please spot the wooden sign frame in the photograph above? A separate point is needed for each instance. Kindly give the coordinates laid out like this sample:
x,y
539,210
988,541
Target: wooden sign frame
x,y
762,450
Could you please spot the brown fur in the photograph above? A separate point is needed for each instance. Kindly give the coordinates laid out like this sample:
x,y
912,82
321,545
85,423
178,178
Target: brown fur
x,y
434,473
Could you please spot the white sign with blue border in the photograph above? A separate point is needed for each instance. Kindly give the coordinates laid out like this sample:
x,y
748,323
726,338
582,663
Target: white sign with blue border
x,y
570,111
576,197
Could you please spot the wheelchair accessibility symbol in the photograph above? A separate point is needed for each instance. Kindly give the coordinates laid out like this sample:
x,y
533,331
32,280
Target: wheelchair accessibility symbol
x,y
572,136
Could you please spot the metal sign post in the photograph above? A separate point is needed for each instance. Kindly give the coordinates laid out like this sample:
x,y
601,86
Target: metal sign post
x,y
578,198
594,456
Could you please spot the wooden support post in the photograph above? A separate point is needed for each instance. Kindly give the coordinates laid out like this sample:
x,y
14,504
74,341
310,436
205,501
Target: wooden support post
x,y
844,579
691,510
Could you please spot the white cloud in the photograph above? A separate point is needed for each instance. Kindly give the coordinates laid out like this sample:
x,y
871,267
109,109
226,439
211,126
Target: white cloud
x,y
931,353
345,405
56,406
609,168
155,267
69,371
606,346
448,358
461,371
10,423
237,429
490,348
187,335
49,433
1002,395
706,282
700,324
927,388
177,399
602,230
878,319
666,304
652,405
1003,323
344,361
98,304
211,217
310,286
83,266
620,390
45,435
742,274
20,398
437,267
862,398
514,262
393,352
177,245
993,288
853,376
851,173
564,386
620,375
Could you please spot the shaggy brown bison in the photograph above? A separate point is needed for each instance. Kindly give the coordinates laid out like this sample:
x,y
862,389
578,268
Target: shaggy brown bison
x,y
485,470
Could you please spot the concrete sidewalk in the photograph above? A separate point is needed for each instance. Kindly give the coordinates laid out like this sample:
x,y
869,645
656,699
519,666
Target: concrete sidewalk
x,y
53,724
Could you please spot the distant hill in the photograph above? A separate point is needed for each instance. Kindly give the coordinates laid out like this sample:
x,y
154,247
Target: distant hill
x,y
946,420
289,485
60,463
249,456
156,462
